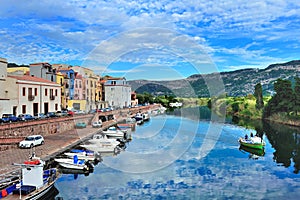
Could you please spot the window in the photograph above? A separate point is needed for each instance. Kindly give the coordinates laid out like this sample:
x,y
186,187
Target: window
x,y
55,92
56,106
23,91
23,109
29,91
46,92
35,91
51,92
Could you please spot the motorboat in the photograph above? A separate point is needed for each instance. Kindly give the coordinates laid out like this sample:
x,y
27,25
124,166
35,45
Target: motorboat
x,y
35,182
101,148
146,117
114,132
103,140
83,154
139,117
74,163
252,142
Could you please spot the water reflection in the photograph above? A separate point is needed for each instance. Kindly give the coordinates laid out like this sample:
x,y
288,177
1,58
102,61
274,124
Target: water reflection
x,y
285,140
253,153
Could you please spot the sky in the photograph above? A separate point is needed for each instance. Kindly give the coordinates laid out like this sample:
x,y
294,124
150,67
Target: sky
x,y
154,40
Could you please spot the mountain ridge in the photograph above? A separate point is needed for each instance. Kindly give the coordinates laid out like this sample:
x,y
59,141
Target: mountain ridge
x,y
237,83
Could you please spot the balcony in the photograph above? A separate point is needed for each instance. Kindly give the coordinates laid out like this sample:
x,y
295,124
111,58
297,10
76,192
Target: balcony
x,y
52,97
30,97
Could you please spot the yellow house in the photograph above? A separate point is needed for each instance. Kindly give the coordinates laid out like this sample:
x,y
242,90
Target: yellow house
x,y
18,70
60,80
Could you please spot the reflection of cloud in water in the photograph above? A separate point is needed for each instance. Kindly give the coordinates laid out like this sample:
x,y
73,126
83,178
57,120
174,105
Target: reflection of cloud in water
x,y
223,173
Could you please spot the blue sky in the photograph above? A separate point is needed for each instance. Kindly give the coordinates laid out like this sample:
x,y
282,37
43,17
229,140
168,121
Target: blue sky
x,y
147,39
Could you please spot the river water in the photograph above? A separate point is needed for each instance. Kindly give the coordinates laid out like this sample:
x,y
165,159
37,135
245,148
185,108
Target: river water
x,y
183,156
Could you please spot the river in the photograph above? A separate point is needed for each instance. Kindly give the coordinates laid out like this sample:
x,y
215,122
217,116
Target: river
x,y
190,154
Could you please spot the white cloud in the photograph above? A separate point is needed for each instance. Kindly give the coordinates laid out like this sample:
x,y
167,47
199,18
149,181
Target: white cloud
x,y
55,29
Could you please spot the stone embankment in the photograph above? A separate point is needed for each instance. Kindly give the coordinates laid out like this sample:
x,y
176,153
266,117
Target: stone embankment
x,y
60,134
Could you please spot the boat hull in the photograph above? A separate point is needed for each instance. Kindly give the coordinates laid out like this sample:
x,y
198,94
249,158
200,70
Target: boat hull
x,y
69,165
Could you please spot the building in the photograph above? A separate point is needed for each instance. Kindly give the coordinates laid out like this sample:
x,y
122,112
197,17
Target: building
x,y
43,70
117,92
18,70
36,95
27,94
92,89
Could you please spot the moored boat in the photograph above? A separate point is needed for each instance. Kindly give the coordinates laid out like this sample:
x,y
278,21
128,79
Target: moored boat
x,y
139,117
35,182
252,142
74,163
146,117
83,154
114,132
101,148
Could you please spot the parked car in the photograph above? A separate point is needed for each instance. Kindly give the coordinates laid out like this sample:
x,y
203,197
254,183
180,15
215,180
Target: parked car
x,y
70,113
9,118
92,111
31,141
51,114
97,124
80,125
25,117
64,113
41,116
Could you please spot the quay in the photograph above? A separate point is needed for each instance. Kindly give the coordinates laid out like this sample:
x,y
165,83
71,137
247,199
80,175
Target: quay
x,y
59,141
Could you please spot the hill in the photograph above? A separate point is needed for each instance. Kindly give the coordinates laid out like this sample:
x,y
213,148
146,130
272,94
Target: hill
x,y
237,83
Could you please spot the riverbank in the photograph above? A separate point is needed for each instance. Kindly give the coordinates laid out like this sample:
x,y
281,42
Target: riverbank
x,y
56,143
240,107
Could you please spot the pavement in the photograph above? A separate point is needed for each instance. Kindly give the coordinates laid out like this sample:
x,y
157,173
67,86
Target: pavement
x,y
54,145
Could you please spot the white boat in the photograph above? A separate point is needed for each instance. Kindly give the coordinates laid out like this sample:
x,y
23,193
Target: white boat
x,y
101,148
146,117
114,132
130,120
74,163
83,154
35,181
139,116
103,140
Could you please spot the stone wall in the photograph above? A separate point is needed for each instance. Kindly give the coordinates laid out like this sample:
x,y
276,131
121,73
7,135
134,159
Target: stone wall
x,y
42,127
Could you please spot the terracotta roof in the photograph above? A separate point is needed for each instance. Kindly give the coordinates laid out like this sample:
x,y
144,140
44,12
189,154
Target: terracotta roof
x,y
78,76
32,78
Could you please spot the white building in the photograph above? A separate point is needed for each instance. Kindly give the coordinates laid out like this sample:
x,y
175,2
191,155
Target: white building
x,y
117,92
37,95
27,94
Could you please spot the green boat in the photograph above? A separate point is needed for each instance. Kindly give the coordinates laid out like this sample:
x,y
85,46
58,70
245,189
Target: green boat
x,y
253,142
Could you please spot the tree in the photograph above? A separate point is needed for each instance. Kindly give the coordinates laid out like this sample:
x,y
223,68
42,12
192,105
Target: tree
x,y
283,101
141,98
297,95
259,97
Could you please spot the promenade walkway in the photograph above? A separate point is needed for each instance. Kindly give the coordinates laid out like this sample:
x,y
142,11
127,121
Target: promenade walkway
x,y
54,145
